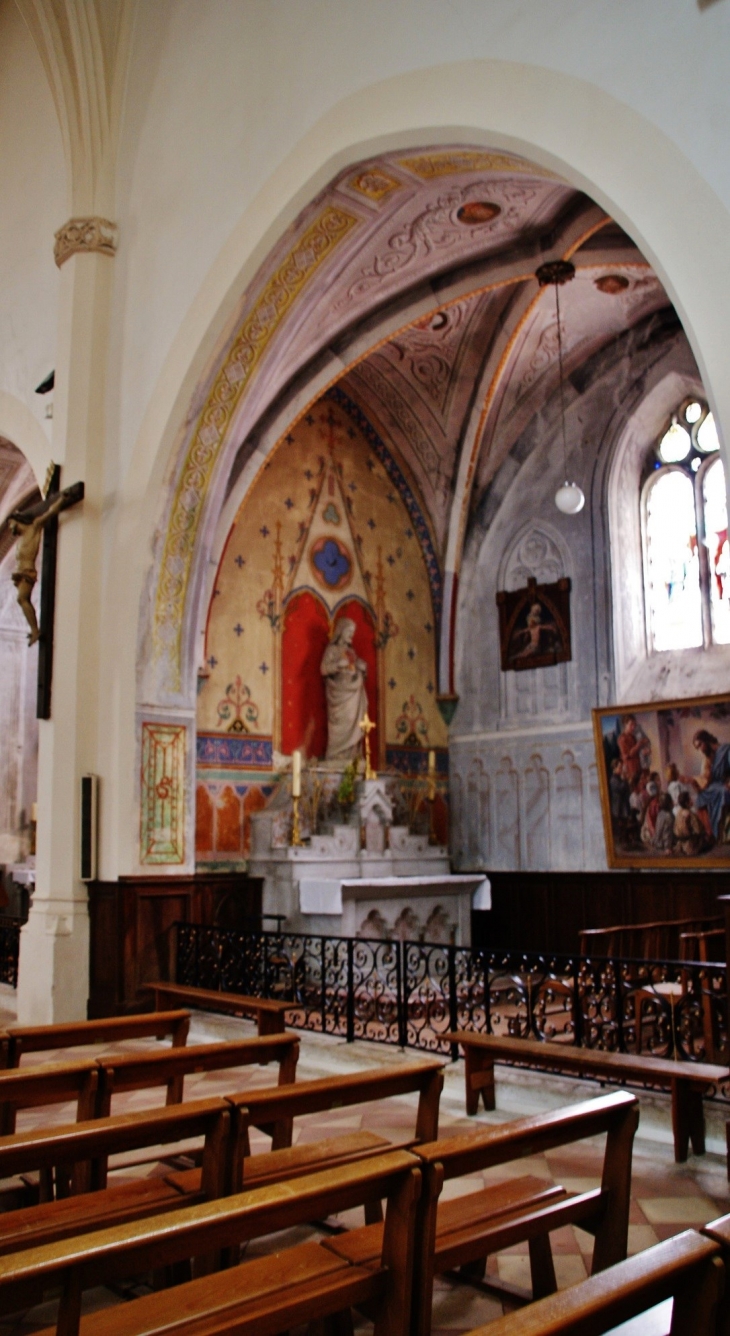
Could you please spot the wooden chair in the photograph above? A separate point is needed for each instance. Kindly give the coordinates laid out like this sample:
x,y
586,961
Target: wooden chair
x,y
267,1012
462,1232
141,1071
685,1081
260,1297
24,1039
43,1086
78,1154
686,1269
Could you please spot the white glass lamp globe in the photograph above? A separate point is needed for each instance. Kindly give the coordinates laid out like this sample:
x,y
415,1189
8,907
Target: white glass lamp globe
x,y
569,498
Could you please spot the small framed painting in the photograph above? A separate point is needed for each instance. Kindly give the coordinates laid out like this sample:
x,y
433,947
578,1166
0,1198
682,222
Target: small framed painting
x,y
664,774
534,625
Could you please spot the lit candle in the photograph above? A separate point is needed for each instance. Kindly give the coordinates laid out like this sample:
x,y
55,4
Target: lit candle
x,y
431,762
296,774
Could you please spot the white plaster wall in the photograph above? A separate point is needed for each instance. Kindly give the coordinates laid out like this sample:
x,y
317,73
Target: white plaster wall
x,y
222,90
32,206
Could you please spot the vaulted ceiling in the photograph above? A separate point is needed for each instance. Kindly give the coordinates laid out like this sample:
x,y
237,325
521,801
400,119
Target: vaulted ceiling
x,y
428,313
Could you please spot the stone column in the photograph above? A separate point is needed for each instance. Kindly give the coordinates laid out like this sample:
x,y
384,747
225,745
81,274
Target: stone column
x,y
53,979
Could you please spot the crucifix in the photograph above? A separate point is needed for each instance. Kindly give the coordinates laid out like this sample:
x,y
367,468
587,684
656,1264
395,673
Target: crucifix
x,y
29,526
367,726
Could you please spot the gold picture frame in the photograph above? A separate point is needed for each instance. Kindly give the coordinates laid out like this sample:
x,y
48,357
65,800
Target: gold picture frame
x,y
664,778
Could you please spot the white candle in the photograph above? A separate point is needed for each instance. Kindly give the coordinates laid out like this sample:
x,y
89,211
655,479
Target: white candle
x,y
431,762
296,774
34,813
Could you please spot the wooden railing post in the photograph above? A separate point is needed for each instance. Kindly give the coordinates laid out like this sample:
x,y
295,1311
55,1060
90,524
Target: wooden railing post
x,y
724,901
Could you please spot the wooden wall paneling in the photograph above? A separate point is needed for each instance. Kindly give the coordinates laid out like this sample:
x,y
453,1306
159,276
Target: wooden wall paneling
x,y
132,937
545,911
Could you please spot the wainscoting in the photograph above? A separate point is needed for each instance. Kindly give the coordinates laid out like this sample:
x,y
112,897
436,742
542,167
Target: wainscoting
x,y
545,911
132,940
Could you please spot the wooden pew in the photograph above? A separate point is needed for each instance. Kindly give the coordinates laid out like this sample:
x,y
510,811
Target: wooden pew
x,y
141,1071
686,1268
659,940
24,1039
686,1081
260,1297
268,1013
283,1104
718,1231
462,1232
43,1086
4,1049
80,1152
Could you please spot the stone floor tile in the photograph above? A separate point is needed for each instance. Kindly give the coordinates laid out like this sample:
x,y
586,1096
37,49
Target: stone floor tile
x,y
680,1211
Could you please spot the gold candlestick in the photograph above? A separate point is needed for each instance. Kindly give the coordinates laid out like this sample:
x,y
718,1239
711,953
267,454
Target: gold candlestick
x,y
296,838
367,726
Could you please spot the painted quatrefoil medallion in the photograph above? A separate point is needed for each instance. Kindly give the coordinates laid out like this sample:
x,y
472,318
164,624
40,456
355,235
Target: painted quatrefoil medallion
x,y
331,563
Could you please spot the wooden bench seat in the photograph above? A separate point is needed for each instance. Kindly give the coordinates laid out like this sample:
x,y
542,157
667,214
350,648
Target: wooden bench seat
x,y
82,1150
268,1013
686,1081
24,1039
263,1296
141,1071
686,1268
463,1232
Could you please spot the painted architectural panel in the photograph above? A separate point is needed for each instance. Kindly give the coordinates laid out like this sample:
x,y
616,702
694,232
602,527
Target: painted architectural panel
x,y
162,814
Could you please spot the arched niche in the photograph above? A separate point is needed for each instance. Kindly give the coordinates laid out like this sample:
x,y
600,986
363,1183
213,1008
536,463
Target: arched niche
x,y
625,163
639,672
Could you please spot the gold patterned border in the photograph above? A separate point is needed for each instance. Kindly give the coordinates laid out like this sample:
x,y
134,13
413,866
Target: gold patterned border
x,y
429,165
278,296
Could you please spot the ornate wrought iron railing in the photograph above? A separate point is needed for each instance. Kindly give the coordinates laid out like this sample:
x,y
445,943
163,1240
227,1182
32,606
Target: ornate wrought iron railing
x,y
413,993
9,950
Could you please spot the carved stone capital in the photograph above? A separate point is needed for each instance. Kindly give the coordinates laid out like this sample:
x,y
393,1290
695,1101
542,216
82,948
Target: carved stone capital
x,y
85,234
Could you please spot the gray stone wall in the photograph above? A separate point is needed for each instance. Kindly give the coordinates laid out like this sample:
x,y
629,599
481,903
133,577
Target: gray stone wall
x,y
524,782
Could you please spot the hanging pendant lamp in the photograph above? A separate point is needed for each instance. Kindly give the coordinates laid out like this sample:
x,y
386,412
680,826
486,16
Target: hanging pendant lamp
x,y
569,497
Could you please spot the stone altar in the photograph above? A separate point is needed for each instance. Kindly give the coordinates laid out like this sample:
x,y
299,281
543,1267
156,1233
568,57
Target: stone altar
x,y
362,877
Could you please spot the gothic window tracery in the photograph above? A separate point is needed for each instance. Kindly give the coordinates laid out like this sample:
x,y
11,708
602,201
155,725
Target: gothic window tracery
x,y
685,535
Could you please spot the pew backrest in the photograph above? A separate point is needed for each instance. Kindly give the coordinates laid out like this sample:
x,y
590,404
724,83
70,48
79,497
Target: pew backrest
x,y
269,1014
279,1106
686,1268
109,1030
52,1083
86,1146
139,1071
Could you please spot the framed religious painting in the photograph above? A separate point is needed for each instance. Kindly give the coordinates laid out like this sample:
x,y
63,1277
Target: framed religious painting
x,y
534,625
664,774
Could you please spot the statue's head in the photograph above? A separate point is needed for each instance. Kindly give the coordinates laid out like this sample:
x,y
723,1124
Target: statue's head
x,y
345,630
17,523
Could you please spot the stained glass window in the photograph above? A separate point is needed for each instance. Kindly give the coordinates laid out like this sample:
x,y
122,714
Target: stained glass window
x,y
715,513
687,559
675,601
